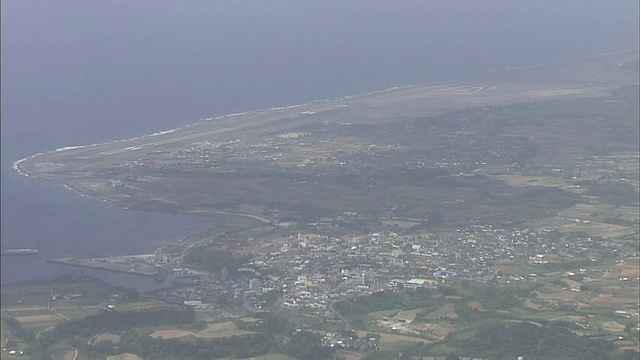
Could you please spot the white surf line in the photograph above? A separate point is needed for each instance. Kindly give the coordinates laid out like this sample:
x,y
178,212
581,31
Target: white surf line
x,y
256,112
68,148
210,132
16,164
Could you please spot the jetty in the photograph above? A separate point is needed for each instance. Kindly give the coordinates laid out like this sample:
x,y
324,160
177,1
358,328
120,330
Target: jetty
x,y
136,264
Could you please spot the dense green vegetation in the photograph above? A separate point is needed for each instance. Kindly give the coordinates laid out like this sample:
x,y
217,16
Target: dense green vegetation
x,y
117,322
355,309
493,297
387,300
13,327
499,340
270,324
302,345
550,196
77,332
614,193
211,260
488,296
490,330
275,334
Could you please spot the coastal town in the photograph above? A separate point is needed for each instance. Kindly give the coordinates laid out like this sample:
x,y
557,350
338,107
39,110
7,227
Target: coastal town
x,y
312,271
363,233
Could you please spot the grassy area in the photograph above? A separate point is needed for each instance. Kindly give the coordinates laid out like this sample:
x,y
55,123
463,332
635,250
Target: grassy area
x,y
273,356
397,346
125,357
445,311
107,337
20,313
63,350
305,321
378,315
76,313
31,298
140,305
382,355
221,329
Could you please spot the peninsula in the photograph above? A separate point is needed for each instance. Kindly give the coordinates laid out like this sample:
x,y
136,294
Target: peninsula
x,y
332,155
416,221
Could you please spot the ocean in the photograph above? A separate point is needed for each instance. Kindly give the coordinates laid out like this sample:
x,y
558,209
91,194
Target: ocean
x,y
76,73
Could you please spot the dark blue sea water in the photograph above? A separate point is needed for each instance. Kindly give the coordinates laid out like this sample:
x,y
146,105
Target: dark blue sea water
x,y
81,72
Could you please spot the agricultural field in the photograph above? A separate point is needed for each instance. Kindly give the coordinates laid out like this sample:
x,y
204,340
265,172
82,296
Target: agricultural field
x,y
213,330
273,356
528,189
34,309
63,293
25,296
599,300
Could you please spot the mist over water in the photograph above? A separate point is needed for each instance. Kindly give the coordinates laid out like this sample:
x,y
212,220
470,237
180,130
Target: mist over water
x,y
76,72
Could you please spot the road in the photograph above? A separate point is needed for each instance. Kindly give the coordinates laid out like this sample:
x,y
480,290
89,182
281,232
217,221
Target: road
x,y
347,326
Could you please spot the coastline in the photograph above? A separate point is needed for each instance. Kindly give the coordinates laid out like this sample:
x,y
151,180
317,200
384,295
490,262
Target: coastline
x,y
505,77
23,167
19,167
90,264
76,166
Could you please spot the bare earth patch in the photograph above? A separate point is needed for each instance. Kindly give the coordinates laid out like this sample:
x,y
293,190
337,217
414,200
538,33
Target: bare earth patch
x,y
600,229
582,305
629,269
39,319
408,314
612,326
572,283
531,305
171,334
227,328
388,338
473,305
108,337
564,295
437,330
523,180
125,357
508,269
